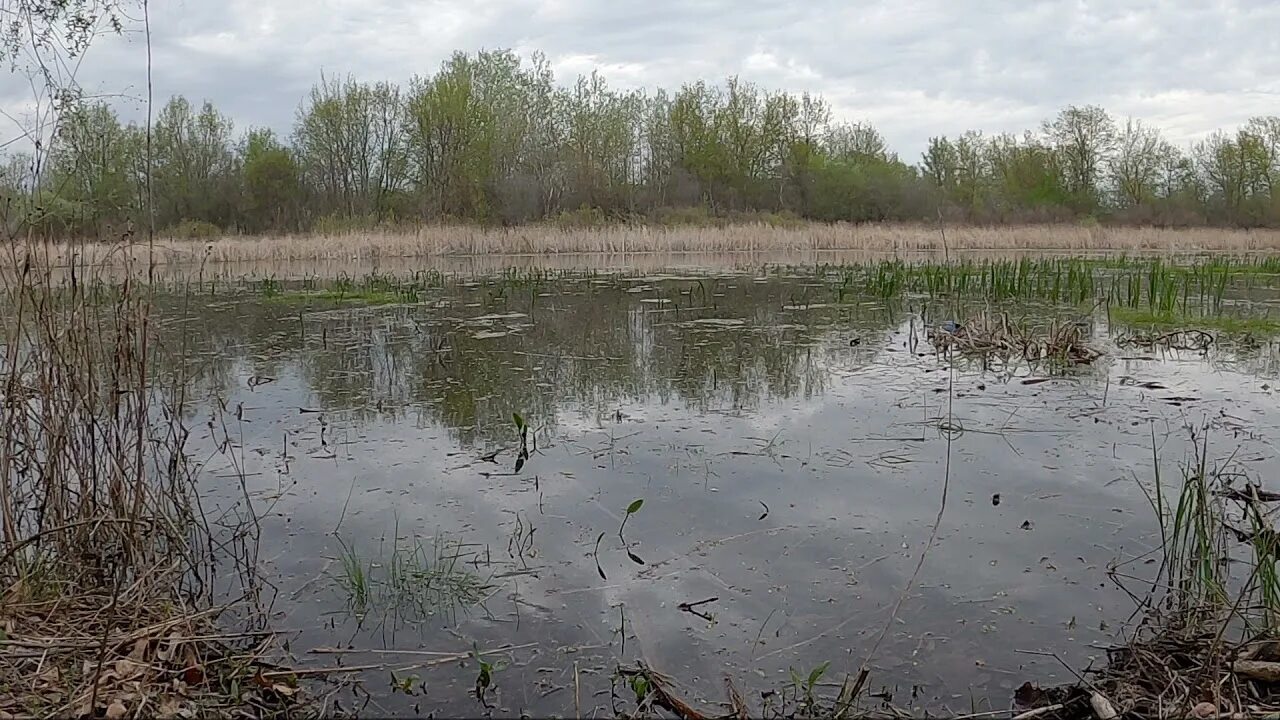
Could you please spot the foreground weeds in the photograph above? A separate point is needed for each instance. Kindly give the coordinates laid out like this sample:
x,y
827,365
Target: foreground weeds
x,y
1205,645
107,601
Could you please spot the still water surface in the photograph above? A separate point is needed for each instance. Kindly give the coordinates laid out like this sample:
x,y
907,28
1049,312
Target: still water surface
x,y
791,456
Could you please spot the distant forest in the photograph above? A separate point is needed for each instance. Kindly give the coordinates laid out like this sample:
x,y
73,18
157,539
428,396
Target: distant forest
x,y
494,140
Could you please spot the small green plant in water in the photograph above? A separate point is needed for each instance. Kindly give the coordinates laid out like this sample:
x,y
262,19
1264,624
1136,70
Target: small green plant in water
x,y
270,287
632,509
354,579
414,581
405,684
640,686
484,678
807,684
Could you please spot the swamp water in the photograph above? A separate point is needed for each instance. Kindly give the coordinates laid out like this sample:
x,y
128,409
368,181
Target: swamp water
x,y
791,453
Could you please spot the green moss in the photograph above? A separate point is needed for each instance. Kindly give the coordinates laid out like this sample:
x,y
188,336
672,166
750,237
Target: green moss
x,y
1221,323
362,297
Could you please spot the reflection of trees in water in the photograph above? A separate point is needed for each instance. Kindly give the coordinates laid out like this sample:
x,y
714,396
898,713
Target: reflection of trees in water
x,y
592,346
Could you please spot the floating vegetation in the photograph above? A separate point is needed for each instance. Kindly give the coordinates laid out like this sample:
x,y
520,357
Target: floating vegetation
x,y
1225,324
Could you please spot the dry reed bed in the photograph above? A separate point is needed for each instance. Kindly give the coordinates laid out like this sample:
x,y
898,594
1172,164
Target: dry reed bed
x,y
753,238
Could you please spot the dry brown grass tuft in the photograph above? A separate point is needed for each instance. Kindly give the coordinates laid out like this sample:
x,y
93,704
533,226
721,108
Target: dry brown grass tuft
x,y
995,336
435,241
94,652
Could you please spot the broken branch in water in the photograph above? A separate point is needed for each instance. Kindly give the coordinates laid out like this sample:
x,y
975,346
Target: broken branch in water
x,y
663,696
689,608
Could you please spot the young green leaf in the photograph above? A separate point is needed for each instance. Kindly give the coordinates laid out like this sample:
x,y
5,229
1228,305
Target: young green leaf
x,y
817,674
635,505
519,420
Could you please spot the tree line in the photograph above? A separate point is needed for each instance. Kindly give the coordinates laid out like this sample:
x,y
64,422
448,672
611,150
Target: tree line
x,y
492,139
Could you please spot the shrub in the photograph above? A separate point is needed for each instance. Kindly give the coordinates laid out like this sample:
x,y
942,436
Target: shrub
x,y
194,230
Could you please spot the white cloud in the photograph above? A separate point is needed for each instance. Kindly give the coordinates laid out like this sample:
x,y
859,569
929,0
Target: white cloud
x,y
913,67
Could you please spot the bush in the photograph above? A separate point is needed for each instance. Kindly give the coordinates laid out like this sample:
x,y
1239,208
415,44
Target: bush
x,y
583,217
692,216
194,230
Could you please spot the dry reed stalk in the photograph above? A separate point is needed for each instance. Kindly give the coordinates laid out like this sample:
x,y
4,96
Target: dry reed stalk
x,y
436,241
102,570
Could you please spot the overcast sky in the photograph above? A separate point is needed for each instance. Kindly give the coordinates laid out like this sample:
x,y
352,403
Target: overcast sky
x,y
914,68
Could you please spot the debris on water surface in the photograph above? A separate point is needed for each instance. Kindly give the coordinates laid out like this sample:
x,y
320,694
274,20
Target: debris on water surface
x,y
1189,339
691,608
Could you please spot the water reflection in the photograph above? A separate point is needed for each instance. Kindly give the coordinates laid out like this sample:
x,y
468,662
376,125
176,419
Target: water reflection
x,y
476,353
790,454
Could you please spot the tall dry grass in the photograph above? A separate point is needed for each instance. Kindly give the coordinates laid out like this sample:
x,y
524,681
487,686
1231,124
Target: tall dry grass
x,y
439,241
85,471
105,559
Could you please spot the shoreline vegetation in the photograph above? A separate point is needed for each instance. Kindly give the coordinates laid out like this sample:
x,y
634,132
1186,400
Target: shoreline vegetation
x,y
638,240
111,602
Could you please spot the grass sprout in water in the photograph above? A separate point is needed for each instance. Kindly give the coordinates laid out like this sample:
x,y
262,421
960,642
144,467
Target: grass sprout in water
x,y
416,580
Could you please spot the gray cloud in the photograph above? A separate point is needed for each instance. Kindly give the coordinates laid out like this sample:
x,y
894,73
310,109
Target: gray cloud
x,y
915,68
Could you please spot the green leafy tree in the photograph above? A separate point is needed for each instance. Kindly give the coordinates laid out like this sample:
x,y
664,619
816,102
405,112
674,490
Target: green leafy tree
x,y
270,183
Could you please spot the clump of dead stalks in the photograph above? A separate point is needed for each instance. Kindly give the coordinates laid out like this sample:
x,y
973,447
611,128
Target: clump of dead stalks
x,y
107,608
996,336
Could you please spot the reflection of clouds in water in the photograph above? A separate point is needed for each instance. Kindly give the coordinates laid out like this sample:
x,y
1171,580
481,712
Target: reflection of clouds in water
x,y
851,492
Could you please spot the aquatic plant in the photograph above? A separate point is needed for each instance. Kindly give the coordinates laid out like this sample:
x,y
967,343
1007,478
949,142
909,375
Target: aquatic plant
x,y
411,580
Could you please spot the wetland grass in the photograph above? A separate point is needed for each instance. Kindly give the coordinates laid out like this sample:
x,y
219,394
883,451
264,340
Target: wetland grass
x,y
1228,324
372,289
412,580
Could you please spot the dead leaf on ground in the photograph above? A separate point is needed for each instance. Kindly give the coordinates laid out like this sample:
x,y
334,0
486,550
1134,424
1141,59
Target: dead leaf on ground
x,y
169,707
50,675
116,710
139,652
284,690
193,675
126,668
